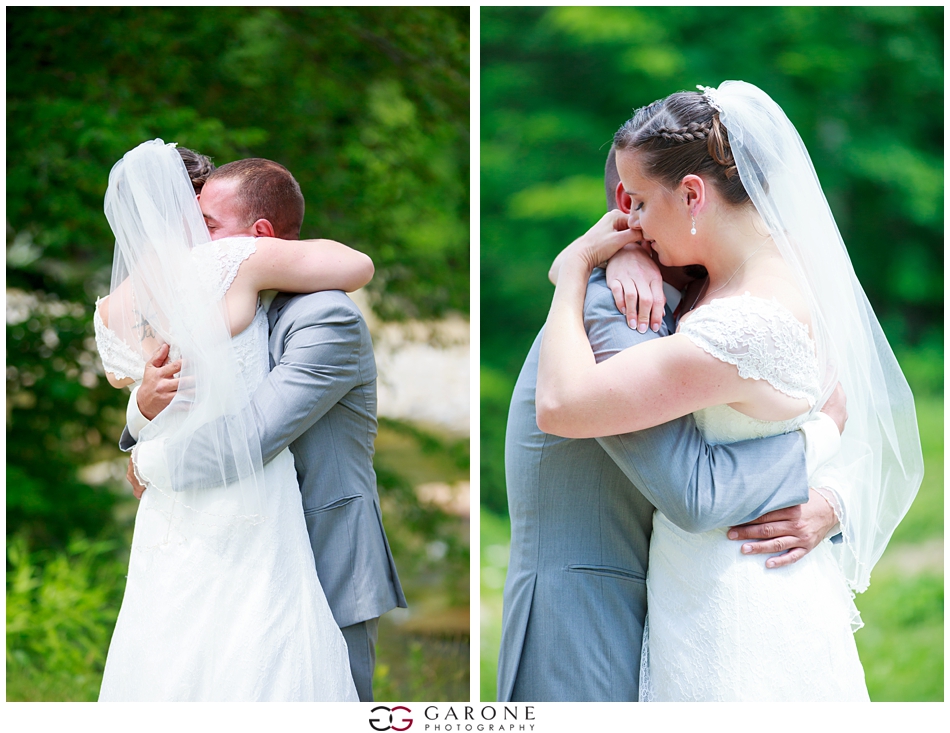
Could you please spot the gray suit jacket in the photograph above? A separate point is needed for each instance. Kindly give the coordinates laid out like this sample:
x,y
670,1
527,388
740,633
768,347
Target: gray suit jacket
x,y
320,399
575,594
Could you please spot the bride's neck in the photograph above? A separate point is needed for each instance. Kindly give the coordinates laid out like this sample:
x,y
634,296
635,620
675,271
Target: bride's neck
x,y
735,238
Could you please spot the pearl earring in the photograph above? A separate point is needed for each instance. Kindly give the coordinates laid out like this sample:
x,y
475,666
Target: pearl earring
x,y
693,230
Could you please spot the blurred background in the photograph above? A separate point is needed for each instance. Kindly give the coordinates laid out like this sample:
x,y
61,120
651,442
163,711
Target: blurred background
x,y
369,108
864,86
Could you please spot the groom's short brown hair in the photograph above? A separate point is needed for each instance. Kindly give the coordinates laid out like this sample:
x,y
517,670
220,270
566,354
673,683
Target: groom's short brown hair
x,y
266,190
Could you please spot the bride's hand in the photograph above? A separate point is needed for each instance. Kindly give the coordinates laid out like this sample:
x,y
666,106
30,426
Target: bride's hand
x,y
603,240
637,285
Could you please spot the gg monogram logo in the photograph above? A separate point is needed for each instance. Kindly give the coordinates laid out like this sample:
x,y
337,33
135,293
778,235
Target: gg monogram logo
x,y
381,724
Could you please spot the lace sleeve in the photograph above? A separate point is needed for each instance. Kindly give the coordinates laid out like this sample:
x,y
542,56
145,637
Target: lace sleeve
x,y
117,356
762,338
219,262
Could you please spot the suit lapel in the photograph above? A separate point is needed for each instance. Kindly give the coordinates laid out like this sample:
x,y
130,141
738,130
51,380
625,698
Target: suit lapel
x,y
669,319
273,313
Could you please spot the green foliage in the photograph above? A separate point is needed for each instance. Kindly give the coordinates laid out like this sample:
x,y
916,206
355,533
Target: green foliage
x,y
60,412
863,86
420,667
368,107
61,609
431,545
496,388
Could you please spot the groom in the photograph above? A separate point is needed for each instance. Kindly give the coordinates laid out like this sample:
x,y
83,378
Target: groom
x,y
575,594
319,399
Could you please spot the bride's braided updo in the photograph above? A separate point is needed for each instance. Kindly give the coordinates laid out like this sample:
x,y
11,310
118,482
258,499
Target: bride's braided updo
x,y
199,167
682,135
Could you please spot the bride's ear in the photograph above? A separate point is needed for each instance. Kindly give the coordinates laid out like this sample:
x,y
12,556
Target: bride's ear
x,y
624,202
694,190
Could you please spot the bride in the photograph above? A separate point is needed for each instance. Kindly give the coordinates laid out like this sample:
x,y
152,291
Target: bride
x,y
222,600
722,179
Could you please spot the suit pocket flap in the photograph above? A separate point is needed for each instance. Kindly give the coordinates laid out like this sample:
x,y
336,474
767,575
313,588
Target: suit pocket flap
x,y
335,504
608,571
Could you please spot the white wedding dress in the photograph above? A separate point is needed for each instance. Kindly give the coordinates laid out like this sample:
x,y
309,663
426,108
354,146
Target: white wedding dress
x,y
722,627
234,615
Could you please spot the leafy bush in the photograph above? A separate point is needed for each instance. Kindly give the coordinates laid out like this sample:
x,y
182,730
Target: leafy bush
x,y
61,609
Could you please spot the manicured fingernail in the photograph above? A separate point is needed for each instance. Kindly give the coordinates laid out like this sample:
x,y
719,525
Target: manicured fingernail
x,y
656,327
770,564
733,535
642,328
746,549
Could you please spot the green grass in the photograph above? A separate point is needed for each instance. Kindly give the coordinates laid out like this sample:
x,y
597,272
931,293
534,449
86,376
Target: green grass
x,y
901,645
495,535
925,518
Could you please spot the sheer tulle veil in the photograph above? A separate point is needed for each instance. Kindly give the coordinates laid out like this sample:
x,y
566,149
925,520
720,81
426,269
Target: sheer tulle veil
x,y
880,459
157,296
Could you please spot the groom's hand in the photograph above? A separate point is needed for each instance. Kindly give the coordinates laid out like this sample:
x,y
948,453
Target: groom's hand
x,y
837,407
159,383
794,531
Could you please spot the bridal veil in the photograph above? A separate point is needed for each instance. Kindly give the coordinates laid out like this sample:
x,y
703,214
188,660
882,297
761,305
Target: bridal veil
x,y
160,295
880,460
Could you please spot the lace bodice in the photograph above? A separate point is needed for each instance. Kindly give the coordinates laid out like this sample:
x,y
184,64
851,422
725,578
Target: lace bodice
x,y
217,263
764,340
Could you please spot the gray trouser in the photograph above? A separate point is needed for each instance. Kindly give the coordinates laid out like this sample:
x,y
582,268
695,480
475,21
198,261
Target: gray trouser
x,y
361,645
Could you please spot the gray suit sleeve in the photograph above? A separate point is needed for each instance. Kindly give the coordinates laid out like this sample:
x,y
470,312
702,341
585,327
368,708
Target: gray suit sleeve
x,y
696,485
319,365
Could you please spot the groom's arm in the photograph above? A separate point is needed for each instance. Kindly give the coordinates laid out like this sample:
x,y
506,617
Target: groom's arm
x,y
696,485
319,365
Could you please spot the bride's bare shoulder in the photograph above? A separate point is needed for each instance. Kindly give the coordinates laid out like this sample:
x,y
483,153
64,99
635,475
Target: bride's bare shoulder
x,y
777,282
102,308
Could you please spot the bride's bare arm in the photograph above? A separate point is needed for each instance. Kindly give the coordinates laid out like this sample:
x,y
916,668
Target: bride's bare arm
x,y
102,308
306,266
294,266
635,281
643,386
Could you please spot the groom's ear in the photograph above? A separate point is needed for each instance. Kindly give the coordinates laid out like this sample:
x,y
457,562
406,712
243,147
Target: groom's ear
x,y
624,202
263,228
